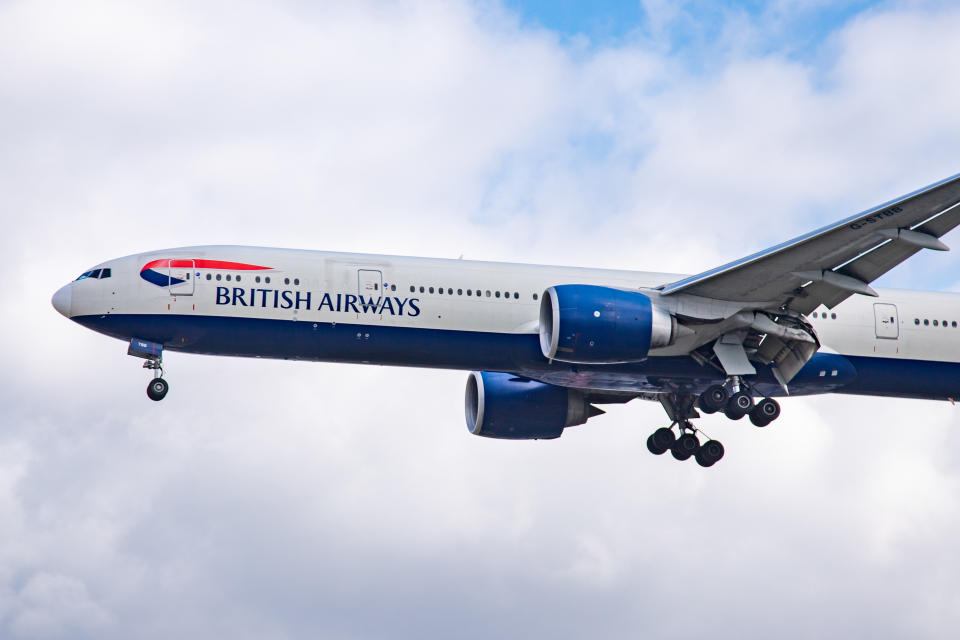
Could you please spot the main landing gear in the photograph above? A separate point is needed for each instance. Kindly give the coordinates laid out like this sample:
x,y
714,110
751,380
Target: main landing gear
x,y
686,445
737,405
682,408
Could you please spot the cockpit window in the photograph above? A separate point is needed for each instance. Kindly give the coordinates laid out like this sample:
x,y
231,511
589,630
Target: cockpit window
x,y
95,273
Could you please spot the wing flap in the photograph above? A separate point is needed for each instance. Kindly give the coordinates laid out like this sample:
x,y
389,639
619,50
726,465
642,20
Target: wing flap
x,y
858,247
873,264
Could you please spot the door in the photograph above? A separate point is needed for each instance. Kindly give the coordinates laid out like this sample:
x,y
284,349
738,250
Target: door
x,y
369,283
182,279
887,321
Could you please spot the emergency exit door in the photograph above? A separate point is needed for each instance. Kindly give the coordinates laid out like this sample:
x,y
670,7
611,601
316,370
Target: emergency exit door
x,y
181,274
369,282
887,321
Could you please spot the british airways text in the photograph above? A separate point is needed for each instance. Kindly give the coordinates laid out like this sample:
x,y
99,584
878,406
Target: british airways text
x,y
340,302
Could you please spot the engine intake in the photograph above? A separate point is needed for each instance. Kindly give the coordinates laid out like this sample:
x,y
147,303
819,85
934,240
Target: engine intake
x,y
501,405
587,324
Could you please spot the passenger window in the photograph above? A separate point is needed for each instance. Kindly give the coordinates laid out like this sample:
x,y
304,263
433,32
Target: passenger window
x,y
218,277
535,296
926,322
297,281
935,323
237,277
469,292
431,289
285,280
440,290
833,316
267,279
917,321
421,289
412,289
459,292
228,277
498,294
209,277
488,293
257,279
516,296
814,314
449,292
393,287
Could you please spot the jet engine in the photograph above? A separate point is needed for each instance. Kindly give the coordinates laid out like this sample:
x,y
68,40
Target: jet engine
x,y
501,405
586,324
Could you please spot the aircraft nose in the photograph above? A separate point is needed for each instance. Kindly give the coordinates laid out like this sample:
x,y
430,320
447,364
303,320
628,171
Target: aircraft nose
x,y
63,300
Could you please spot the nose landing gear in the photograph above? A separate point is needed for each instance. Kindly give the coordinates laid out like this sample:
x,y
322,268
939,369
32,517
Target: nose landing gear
x,y
152,354
158,387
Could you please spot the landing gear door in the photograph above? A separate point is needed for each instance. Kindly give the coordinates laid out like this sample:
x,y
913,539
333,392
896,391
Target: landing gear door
x,y
887,321
369,283
182,277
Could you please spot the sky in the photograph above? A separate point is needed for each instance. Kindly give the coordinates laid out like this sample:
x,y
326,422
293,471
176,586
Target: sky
x,y
267,499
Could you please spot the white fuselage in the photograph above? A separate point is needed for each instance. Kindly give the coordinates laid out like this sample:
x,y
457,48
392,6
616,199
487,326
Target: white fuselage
x,y
354,299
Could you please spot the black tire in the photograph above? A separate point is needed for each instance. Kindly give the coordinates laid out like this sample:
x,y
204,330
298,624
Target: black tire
x,y
664,438
739,405
157,389
709,453
714,399
704,406
653,448
769,409
757,419
685,446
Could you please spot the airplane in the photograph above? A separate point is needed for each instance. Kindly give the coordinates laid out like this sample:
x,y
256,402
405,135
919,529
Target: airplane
x,y
544,345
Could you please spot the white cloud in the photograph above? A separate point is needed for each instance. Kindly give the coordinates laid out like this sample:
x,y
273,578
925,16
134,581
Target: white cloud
x,y
295,500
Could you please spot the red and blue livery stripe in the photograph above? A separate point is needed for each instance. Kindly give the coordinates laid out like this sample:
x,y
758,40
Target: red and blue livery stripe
x,y
158,271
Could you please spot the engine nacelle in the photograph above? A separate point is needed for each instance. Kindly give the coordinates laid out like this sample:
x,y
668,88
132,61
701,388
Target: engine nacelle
x,y
501,405
587,324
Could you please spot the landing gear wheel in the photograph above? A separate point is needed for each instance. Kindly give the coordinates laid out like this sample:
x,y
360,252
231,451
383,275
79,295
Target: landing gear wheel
x,y
738,406
157,389
704,406
709,453
660,440
685,446
713,399
766,411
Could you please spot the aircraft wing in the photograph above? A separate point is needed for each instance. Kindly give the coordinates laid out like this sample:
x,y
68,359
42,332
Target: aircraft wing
x,y
830,264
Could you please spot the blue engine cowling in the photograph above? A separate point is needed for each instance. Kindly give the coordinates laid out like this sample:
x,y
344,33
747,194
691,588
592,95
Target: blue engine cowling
x,y
587,324
501,405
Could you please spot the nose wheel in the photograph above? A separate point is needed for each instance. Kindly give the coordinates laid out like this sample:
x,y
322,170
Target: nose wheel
x,y
158,387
